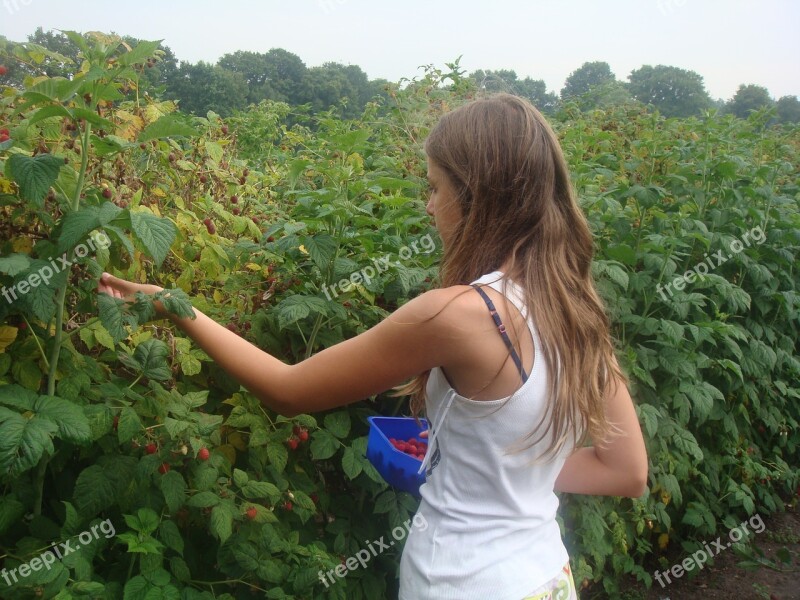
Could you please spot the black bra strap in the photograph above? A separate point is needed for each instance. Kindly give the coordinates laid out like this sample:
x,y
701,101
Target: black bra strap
x,y
502,329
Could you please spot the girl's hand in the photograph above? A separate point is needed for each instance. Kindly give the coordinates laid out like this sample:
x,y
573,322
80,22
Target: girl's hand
x,y
126,290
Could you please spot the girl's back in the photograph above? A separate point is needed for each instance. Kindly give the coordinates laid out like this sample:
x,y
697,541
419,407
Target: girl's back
x,y
490,528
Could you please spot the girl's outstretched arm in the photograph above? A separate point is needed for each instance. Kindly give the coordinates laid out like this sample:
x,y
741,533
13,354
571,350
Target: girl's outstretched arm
x,y
616,468
406,343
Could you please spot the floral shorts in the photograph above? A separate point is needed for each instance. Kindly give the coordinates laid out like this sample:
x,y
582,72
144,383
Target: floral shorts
x,y
561,587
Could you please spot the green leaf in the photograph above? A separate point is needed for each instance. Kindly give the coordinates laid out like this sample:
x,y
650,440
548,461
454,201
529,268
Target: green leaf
x,y
18,397
181,571
176,302
338,423
351,464
167,126
261,489
11,511
297,307
111,316
145,521
137,589
129,425
240,477
34,175
323,445
322,248
108,145
221,524
93,118
139,53
203,500
171,535
152,355
69,418
174,488
156,234
23,441
47,112
14,264
278,456
94,490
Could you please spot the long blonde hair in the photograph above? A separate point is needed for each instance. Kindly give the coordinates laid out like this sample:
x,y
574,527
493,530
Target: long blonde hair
x,y
513,187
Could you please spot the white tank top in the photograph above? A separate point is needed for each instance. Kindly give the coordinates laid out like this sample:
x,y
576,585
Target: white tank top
x,y
491,518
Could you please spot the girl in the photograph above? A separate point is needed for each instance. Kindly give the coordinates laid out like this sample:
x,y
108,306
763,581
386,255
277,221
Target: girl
x,y
512,391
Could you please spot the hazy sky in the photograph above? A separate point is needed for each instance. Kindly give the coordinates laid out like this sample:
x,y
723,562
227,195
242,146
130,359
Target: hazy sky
x,y
727,41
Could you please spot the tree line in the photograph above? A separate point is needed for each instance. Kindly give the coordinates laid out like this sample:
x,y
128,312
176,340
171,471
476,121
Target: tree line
x,y
243,78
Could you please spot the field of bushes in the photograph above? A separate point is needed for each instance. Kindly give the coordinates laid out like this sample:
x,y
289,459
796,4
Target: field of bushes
x,y
110,417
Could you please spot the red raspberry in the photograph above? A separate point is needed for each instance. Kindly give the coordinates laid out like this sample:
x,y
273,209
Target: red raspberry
x,y
293,443
164,468
204,454
151,448
303,436
251,513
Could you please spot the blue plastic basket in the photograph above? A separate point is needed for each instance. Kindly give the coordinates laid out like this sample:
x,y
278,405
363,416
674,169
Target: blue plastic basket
x,y
397,468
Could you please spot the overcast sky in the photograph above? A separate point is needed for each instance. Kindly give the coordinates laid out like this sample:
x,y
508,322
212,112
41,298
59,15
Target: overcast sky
x,y
728,42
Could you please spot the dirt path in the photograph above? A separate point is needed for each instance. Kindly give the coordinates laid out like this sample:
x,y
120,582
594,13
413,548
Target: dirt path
x,y
727,580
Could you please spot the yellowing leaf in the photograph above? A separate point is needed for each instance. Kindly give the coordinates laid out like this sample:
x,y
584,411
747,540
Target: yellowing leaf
x,y
7,337
303,249
22,245
663,540
155,111
131,125
6,186
237,441
218,297
229,452
253,266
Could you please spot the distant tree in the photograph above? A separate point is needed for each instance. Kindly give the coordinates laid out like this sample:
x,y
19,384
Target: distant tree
x,y
286,77
589,75
203,87
156,77
788,109
275,75
748,98
333,82
505,80
674,92
61,44
610,93
59,57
